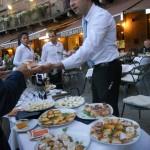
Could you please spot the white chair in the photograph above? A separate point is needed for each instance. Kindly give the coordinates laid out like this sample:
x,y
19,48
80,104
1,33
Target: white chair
x,y
134,75
139,102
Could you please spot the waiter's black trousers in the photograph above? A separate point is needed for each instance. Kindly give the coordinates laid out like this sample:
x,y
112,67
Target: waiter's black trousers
x,y
105,84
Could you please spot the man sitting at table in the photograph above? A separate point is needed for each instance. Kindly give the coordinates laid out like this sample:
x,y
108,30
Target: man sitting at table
x,y
11,89
146,47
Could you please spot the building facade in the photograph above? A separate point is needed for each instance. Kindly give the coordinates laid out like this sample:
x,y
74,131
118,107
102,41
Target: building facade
x,y
34,15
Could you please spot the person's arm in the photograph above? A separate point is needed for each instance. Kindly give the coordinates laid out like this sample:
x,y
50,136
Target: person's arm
x,y
10,91
17,58
12,87
99,28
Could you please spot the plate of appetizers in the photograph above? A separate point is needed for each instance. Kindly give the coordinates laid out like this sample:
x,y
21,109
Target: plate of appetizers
x,y
70,102
25,125
56,117
64,141
95,111
38,105
115,131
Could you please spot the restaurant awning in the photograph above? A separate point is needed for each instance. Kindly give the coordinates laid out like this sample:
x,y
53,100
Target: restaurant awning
x,y
9,45
115,9
38,34
73,28
122,6
140,6
32,36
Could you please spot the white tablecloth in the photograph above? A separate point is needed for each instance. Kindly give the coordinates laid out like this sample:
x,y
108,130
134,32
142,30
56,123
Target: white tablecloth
x,y
22,140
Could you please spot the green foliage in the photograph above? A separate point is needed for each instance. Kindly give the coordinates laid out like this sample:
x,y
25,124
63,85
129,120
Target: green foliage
x,y
8,62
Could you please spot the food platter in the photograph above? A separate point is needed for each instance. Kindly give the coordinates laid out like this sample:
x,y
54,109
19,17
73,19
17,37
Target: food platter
x,y
38,105
56,117
70,102
95,111
65,141
38,133
25,125
115,131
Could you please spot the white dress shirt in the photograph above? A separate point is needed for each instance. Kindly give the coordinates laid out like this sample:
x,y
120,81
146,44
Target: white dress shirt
x,y
52,53
100,43
23,54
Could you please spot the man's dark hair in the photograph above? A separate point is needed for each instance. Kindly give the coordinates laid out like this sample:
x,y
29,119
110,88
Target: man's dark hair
x,y
20,36
97,2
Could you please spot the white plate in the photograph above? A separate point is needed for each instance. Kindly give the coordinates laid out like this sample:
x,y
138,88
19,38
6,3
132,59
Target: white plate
x,y
84,138
38,106
70,102
135,139
31,124
83,115
63,110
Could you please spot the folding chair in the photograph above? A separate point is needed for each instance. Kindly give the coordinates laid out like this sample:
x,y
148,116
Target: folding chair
x,y
139,102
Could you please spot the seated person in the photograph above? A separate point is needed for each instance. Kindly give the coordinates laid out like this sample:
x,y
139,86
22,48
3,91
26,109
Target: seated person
x,y
11,87
146,47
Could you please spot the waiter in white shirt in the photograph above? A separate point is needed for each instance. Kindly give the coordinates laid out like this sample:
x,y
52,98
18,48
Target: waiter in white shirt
x,y
52,52
23,52
98,49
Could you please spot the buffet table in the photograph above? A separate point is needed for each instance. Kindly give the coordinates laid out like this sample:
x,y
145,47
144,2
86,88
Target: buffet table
x,y
78,126
22,140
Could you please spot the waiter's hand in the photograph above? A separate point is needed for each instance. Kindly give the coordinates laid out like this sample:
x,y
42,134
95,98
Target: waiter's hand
x,y
47,67
3,72
30,64
43,68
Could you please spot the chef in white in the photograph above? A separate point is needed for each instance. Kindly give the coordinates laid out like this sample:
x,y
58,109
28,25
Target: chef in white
x,y
99,49
23,52
52,52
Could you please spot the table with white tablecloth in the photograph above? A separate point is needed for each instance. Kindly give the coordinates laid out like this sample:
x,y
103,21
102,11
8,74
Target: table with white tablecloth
x,y
22,141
